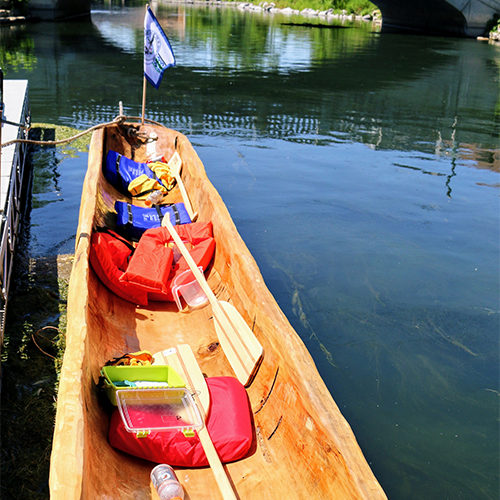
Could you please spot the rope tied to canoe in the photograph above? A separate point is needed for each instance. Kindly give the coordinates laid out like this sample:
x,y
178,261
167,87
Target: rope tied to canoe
x,y
119,120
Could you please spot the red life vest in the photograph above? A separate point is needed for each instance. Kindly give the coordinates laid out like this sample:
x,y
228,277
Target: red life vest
x,y
147,272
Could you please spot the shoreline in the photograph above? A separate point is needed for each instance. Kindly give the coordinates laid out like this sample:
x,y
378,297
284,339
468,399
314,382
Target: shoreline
x,y
8,18
272,9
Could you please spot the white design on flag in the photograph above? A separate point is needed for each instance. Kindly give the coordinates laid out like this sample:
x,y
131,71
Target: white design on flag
x,y
158,54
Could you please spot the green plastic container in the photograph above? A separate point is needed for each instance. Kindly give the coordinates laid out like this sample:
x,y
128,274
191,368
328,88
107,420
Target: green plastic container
x,y
113,375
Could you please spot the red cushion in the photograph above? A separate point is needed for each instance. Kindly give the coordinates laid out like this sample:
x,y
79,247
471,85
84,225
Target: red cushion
x,y
229,424
109,256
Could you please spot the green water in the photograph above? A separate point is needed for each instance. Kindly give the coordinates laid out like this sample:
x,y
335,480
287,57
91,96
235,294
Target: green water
x,y
362,171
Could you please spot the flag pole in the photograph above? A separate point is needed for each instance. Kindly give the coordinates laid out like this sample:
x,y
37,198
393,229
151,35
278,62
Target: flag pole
x,y
143,100
144,87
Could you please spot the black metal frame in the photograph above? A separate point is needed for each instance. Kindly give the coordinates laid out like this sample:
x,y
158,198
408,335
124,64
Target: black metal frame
x,y
1,109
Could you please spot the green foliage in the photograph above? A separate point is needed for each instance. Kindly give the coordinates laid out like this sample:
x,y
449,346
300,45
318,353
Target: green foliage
x,y
496,29
49,131
31,359
359,7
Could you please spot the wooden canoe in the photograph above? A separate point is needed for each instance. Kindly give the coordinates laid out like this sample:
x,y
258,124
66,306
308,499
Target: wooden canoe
x,y
304,448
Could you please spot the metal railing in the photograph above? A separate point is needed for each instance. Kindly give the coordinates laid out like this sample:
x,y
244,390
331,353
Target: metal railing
x,y
11,211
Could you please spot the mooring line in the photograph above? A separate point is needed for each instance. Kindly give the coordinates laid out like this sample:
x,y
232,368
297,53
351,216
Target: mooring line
x,y
117,121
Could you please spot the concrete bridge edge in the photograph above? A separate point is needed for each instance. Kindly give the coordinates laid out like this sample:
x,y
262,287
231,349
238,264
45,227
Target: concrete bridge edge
x,y
465,18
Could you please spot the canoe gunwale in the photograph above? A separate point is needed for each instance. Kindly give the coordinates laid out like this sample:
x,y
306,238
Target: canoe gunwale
x,y
66,475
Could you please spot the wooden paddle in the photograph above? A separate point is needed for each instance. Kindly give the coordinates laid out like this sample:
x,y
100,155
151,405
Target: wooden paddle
x,y
175,164
240,344
182,360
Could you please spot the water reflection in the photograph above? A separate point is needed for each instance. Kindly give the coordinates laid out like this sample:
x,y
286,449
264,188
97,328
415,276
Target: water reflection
x,y
362,171
18,50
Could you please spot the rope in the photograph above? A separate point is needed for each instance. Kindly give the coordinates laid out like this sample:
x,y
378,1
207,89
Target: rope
x,y
117,121
38,333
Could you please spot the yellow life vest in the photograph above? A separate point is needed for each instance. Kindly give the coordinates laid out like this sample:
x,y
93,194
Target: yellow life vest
x,y
141,187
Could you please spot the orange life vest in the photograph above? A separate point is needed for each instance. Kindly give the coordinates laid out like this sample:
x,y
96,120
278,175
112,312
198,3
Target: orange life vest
x,y
147,272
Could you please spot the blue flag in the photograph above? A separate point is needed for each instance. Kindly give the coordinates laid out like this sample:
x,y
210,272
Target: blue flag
x,y
158,54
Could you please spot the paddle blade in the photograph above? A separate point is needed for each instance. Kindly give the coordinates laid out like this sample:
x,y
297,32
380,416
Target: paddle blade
x,y
183,361
239,343
175,164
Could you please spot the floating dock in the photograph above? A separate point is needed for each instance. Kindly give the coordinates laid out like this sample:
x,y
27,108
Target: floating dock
x,y
15,122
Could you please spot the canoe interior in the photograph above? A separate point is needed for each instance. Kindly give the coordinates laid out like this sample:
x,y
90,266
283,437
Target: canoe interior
x,y
303,447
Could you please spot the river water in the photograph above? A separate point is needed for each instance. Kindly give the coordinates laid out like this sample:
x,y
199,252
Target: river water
x,y
363,172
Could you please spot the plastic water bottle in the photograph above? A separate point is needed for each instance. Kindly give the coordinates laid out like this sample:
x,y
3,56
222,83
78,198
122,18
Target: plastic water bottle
x,y
151,145
166,483
154,198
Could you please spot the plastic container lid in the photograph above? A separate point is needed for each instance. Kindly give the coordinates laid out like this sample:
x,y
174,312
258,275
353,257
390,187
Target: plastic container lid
x,y
147,410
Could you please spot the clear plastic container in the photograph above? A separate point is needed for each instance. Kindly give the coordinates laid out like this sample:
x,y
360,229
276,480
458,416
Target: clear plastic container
x,y
147,410
187,285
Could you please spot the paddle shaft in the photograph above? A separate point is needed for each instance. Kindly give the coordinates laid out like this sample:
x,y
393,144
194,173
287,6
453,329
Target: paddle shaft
x,y
184,362
185,198
239,343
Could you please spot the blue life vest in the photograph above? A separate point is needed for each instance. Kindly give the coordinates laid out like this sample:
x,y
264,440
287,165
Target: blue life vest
x,y
133,220
120,171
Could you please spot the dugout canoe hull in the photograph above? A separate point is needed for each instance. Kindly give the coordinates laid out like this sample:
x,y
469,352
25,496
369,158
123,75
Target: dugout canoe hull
x,y
304,448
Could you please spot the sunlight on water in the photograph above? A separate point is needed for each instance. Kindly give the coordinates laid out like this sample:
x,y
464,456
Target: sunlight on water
x,y
362,171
